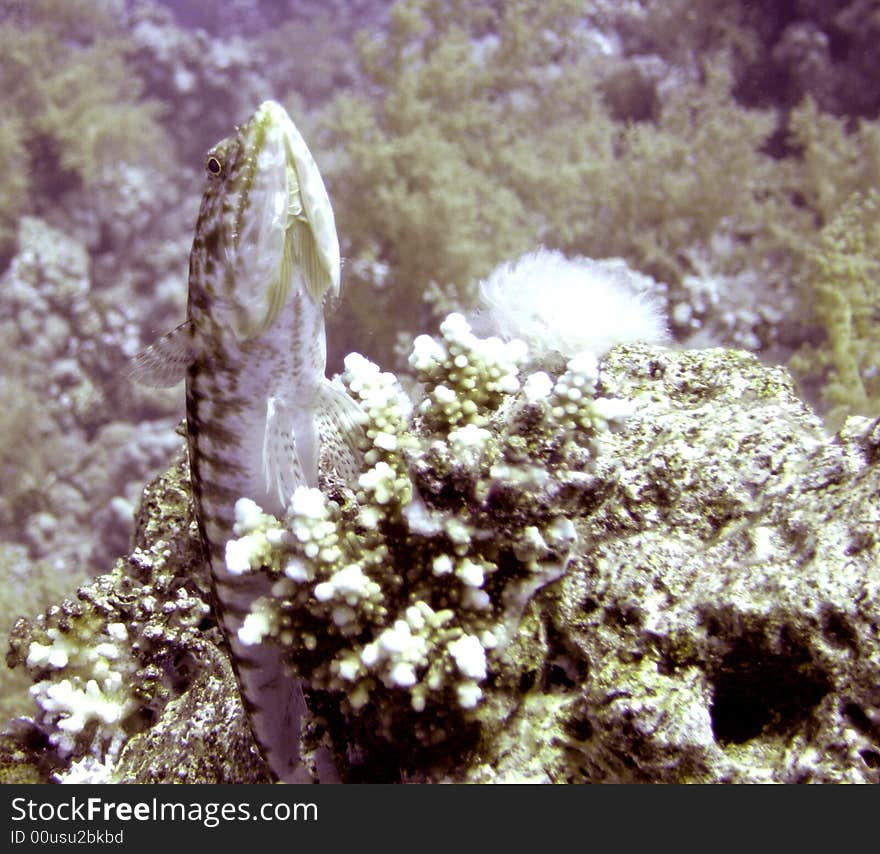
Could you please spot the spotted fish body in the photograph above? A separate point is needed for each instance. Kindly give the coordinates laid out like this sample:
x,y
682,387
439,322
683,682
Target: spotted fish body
x,y
253,353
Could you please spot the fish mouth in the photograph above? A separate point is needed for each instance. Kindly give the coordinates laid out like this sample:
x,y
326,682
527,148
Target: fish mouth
x,y
270,111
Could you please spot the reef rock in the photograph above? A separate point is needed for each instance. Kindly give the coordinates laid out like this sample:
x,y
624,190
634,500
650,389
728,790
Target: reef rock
x,y
130,681
661,571
71,470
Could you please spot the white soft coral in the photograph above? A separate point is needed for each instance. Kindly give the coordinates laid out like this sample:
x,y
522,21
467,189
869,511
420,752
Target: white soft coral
x,y
567,306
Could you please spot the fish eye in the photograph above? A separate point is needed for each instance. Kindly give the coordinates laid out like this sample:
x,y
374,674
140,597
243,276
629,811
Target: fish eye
x,y
213,165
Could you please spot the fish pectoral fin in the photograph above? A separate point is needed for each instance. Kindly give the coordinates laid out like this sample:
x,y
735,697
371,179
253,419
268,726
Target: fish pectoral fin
x,y
282,467
164,362
279,288
316,277
340,422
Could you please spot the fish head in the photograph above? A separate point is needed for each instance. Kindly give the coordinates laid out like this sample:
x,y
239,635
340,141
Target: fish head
x,y
265,226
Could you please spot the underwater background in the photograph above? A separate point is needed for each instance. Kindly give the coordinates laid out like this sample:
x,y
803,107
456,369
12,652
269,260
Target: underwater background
x,y
730,151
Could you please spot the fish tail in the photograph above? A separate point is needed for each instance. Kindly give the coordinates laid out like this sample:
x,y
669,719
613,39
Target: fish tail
x,y
276,707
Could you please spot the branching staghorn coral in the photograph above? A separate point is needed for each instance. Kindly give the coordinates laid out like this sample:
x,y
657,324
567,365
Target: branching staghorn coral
x,y
400,593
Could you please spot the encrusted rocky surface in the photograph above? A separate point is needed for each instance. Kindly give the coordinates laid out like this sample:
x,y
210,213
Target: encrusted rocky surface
x,y
717,622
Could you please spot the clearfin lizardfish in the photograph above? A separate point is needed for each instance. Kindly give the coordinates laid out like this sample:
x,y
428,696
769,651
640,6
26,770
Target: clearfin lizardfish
x,y
259,409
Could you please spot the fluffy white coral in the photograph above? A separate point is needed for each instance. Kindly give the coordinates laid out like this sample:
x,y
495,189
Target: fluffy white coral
x,y
569,305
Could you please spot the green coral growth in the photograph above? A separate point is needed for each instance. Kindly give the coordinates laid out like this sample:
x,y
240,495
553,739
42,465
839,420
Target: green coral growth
x,y
845,278
486,132
839,158
20,443
72,106
399,594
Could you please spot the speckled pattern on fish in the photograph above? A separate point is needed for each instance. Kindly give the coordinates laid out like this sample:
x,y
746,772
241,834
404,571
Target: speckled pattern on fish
x,y
253,353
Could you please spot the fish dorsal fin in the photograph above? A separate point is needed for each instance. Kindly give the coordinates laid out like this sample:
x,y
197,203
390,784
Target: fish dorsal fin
x,y
164,362
340,422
